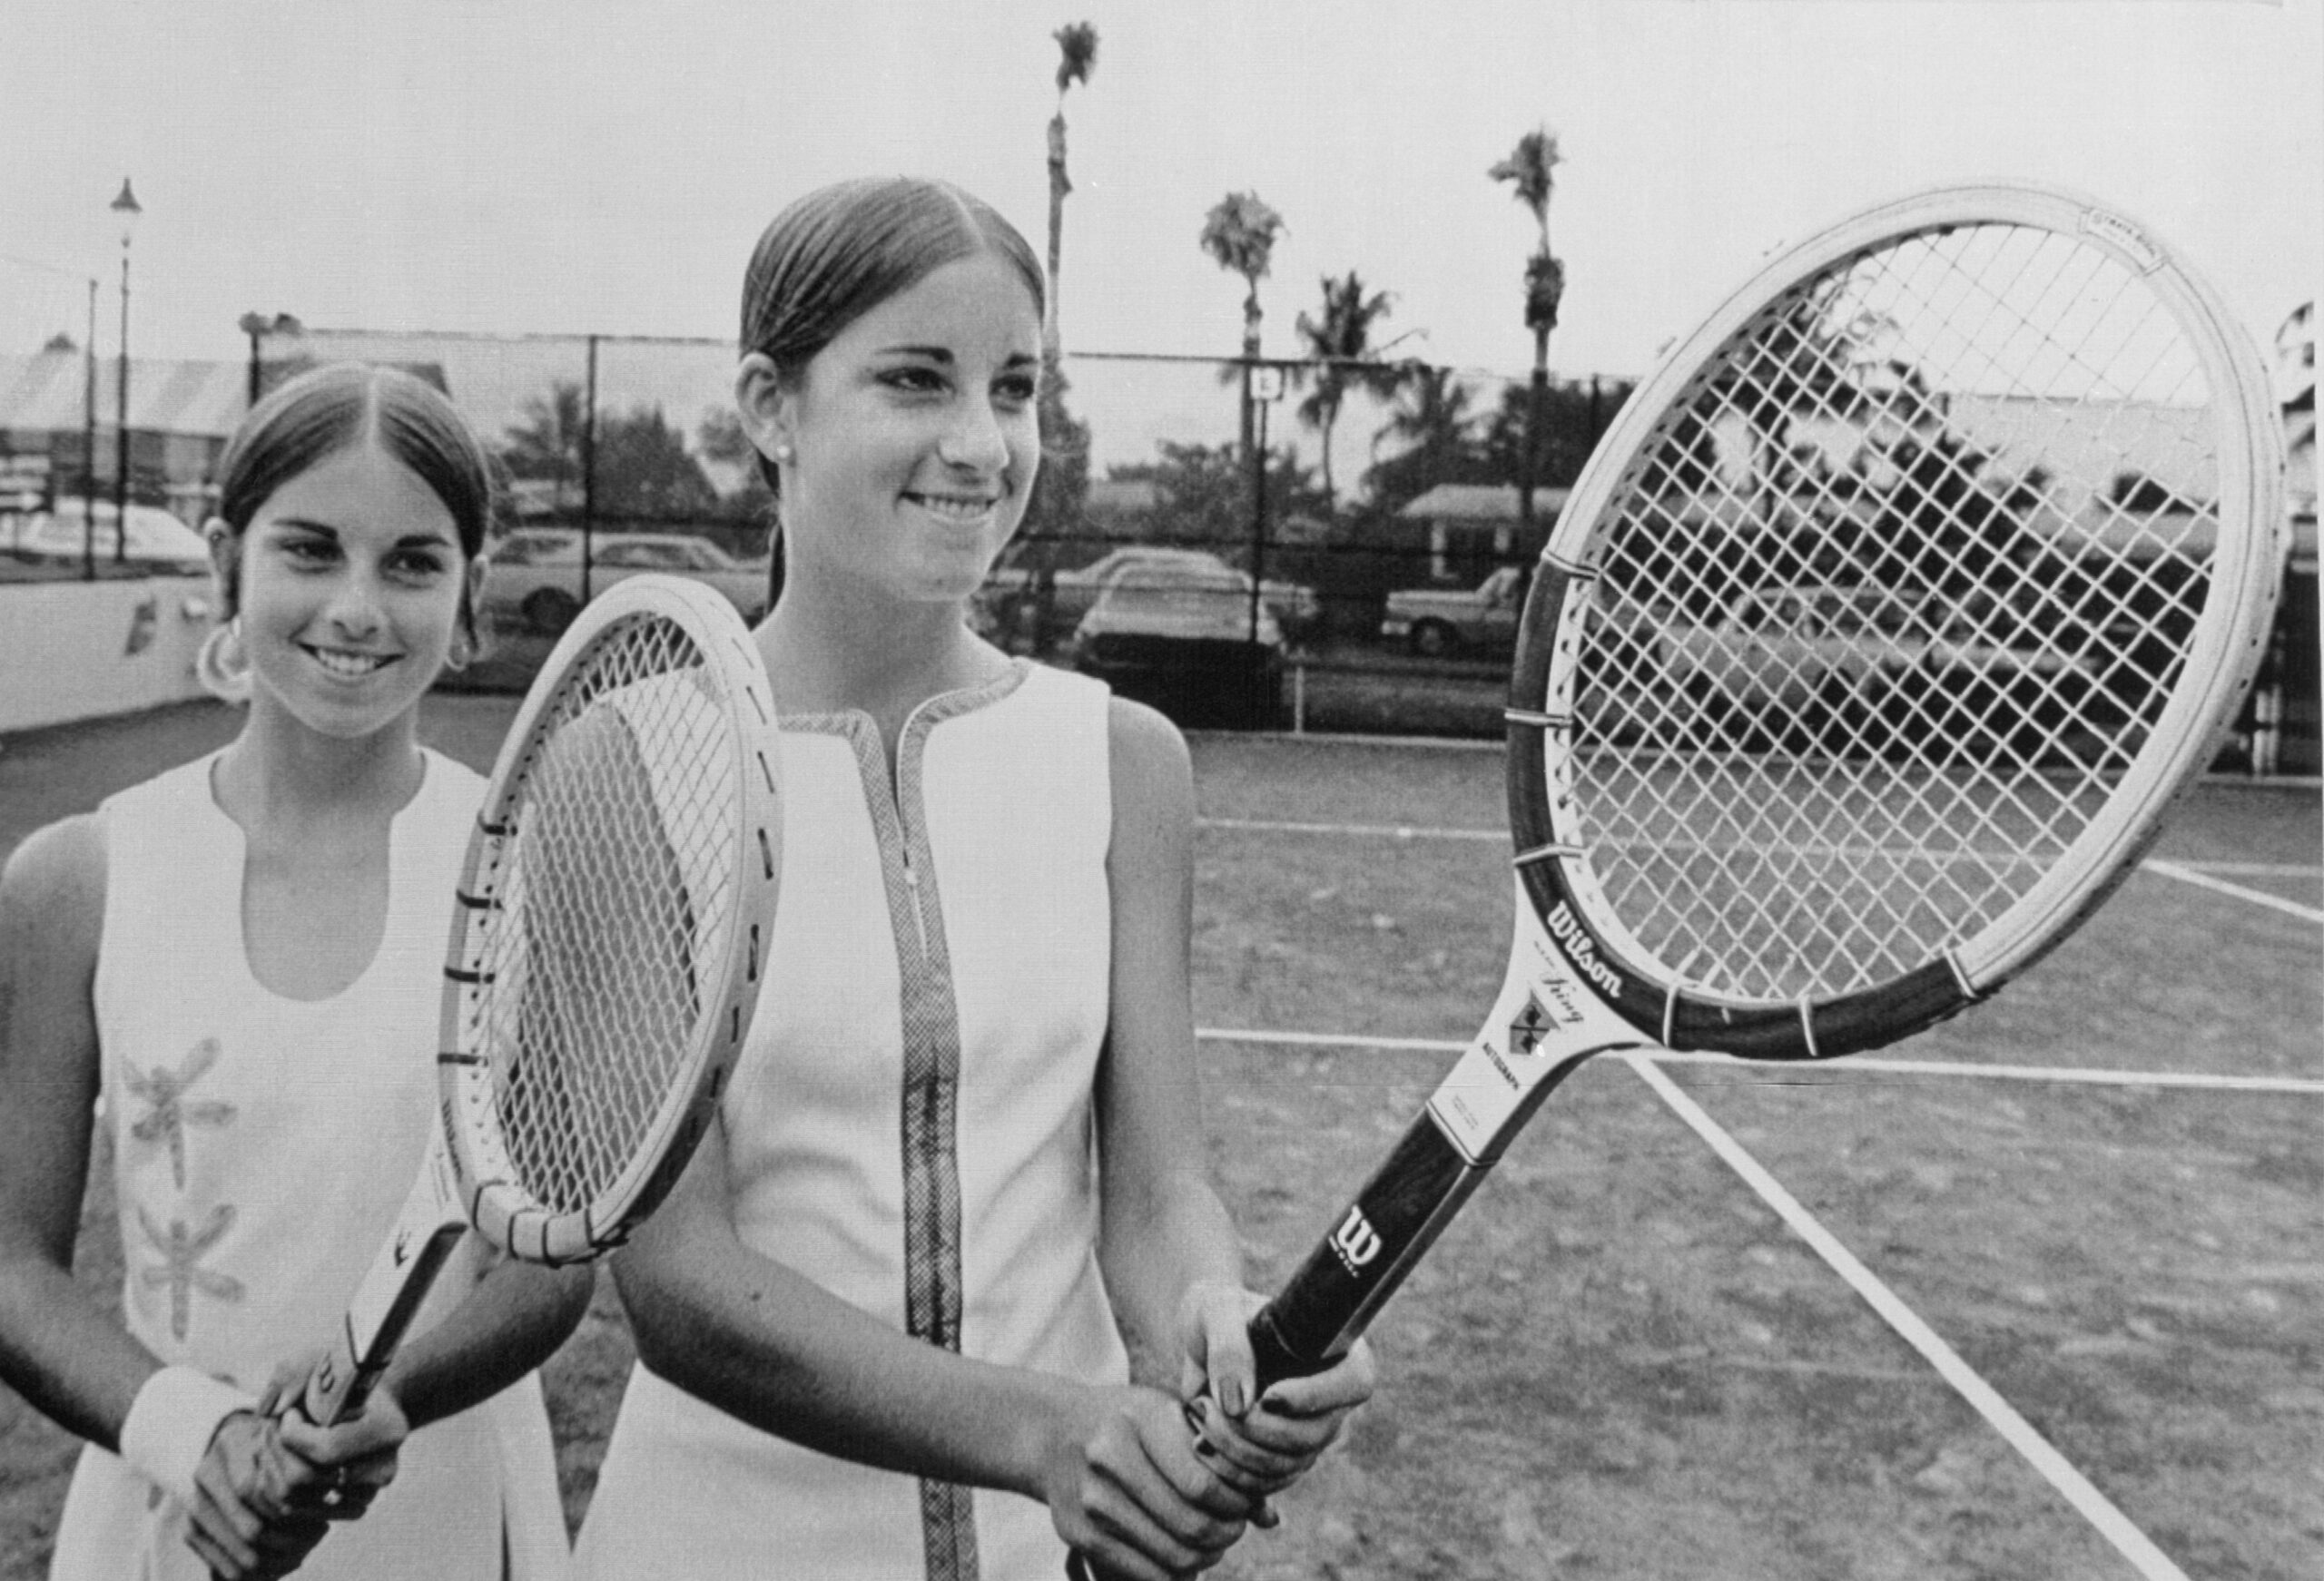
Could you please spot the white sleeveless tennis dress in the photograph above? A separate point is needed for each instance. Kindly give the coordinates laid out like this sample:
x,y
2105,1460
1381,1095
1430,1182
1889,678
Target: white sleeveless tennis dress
x,y
911,1126
262,1148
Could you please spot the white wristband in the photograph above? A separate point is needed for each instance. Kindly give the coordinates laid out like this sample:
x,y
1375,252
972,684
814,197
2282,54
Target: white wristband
x,y
171,1423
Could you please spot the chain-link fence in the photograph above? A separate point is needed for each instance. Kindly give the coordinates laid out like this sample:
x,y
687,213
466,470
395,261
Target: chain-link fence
x,y
1331,546
1326,545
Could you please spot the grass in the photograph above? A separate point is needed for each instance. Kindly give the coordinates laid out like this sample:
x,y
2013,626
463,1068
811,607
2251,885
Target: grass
x,y
1618,1363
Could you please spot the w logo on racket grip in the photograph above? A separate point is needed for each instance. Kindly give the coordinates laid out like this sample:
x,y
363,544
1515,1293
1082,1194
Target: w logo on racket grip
x,y
1356,1242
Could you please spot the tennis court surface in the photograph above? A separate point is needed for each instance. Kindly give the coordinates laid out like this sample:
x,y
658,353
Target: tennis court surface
x,y
2036,1293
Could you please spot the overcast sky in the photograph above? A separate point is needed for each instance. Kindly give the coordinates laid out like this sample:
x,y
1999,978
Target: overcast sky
x,y
569,165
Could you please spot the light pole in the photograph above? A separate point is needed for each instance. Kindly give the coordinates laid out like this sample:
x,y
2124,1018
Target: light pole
x,y
126,207
89,444
258,327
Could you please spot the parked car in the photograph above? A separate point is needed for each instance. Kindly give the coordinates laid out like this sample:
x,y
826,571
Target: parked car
x,y
1869,667
1789,651
1437,622
535,575
1011,590
1963,694
1178,633
158,541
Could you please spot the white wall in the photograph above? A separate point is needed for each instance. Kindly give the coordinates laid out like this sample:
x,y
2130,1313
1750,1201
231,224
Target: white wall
x,y
81,649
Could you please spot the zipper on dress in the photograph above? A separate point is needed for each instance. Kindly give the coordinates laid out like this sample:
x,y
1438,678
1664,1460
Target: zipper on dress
x,y
904,825
912,887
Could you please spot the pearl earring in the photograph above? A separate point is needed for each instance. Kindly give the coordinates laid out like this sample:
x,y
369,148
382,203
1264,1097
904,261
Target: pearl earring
x,y
783,453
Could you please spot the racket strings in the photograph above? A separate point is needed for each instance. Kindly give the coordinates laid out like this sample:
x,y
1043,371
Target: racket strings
x,y
1889,598
614,906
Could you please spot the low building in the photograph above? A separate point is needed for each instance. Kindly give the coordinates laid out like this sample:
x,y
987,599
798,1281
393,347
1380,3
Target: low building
x,y
1469,528
182,412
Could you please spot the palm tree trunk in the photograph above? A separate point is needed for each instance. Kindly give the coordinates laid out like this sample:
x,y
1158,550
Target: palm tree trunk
x,y
1250,357
1535,399
1331,495
1059,186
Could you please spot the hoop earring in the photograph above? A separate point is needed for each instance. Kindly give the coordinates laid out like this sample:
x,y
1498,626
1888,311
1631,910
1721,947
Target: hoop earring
x,y
461,653
222,666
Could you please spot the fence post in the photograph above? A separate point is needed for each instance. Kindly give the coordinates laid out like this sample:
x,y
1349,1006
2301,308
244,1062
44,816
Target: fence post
x,y
589,471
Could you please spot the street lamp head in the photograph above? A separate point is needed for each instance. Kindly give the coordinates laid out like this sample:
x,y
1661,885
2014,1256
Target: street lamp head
x,y
128,208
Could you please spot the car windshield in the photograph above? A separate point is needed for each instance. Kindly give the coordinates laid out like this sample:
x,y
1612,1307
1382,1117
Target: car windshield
x,y
533,549
1175,583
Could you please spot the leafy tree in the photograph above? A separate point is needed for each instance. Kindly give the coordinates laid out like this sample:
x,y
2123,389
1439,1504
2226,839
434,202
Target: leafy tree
x,y
641,472
1340,341
1077,50
1053,517
744,518
1239,234
1203,493
1528,170
644,472
1572,417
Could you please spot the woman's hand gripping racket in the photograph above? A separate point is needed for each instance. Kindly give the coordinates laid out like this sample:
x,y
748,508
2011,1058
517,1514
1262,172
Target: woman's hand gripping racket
x,y
605,948
1879,634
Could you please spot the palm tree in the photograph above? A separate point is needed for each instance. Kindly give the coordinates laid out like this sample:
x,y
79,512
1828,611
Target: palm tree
x,y
1340,341
1239,233
1528,170
547,445
1077,48
1431,414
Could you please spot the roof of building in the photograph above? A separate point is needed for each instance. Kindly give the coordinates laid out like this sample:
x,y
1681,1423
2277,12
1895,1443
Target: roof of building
x,y
1120,494
48,392
1481,502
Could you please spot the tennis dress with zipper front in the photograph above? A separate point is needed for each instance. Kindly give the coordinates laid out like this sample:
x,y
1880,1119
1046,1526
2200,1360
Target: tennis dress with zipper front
x,y
261,1147
911,1126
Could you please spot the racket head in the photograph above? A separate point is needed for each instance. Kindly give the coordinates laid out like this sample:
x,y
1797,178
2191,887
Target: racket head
x,y
1861,664
612,920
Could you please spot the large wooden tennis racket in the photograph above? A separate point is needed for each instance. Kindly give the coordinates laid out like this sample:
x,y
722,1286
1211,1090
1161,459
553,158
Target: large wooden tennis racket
x,y
1877,638
606,942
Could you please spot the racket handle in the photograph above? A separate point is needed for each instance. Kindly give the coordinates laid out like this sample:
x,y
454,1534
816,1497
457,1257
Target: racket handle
x,y
351,1367
1331,1300
1334,1295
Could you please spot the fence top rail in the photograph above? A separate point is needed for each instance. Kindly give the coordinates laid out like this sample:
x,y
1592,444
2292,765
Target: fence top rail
x,y
1190,358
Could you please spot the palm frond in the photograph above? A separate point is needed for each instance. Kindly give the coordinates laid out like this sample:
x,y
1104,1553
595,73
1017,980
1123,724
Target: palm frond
x,y
1527,170
1077,50
1239,233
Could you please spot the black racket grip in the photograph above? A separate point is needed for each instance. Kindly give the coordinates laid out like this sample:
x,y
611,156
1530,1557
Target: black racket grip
x,y
1331,1298
1334,1295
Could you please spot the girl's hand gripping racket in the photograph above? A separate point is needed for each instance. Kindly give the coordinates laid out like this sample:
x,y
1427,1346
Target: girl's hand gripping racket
x,y
1880,631
606,947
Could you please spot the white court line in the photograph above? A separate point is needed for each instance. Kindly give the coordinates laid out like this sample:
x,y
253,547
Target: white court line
x,y
2112,1524
1381,830
1770,1070
2186,874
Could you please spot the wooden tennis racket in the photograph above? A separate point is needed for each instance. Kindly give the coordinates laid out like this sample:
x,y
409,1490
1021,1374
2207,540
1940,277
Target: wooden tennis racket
x,y
1876,640
606,948
1877,637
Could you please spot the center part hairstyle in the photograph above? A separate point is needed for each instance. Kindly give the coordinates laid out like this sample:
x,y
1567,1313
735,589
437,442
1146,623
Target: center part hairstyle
x,y
339,407
840,250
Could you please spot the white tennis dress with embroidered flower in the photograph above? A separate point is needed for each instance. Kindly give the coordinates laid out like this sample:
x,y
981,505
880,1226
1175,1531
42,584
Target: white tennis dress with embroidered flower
x,y
262,1146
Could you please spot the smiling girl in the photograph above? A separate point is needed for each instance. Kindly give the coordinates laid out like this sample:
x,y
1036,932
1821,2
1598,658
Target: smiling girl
x,y
234,968
928,1299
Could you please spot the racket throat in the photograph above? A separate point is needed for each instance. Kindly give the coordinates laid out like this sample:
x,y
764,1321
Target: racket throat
x,y
1546,1024
393,1290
